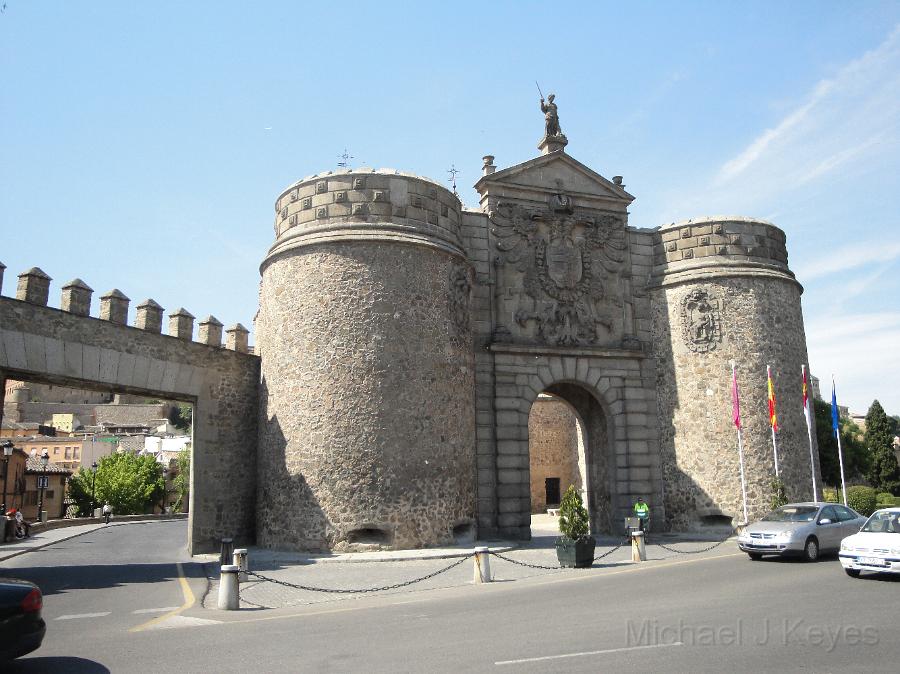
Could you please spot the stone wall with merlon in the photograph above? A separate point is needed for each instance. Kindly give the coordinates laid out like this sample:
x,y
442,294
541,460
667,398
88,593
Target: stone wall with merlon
x,y
56,347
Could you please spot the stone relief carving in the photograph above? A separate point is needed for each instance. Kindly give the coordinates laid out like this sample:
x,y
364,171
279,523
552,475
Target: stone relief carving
x,y
702,320
460,291
569,261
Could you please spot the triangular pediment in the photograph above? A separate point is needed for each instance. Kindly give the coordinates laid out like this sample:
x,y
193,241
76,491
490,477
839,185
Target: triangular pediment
x,y
552,173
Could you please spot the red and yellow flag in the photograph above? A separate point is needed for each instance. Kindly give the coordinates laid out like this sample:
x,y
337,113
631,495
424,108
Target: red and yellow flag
x,y
773,417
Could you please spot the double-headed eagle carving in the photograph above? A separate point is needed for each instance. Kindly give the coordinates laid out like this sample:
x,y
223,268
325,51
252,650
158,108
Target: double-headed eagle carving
x,y
568,260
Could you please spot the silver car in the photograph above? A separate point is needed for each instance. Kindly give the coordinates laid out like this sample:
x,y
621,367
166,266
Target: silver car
x,y
802,529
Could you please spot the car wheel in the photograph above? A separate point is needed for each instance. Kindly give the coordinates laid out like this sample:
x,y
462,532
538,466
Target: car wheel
x,y
853,573
755,556
811,550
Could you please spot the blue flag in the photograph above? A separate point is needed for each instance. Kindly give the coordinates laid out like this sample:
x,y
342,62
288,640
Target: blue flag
x,y
834,411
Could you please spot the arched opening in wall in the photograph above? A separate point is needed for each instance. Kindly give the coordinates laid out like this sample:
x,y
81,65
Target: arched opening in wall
x,y
568,444
81,431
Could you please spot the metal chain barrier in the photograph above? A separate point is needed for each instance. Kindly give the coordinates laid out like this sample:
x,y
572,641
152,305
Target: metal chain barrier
x,y
557,567
518,563
612,550
309,588
690,552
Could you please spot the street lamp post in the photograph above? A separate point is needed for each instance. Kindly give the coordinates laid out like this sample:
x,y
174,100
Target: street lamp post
x,y
165,474
45,459
8,448
93,481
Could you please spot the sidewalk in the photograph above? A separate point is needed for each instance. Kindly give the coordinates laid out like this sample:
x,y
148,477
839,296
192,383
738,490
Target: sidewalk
x,y
366,571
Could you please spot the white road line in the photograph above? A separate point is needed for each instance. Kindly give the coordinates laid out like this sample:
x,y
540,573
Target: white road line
x,y
578,655
164,609
83,615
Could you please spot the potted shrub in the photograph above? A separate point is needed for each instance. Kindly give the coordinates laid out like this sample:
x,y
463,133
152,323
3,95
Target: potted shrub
x,y
575,548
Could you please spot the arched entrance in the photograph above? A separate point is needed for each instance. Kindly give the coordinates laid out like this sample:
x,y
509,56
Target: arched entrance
x,y
569,444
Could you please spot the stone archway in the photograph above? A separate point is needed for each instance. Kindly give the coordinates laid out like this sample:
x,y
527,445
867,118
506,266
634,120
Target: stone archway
x,y
600,463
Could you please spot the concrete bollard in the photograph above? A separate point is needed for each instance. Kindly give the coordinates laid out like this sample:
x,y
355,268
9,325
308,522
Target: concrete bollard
x,y
482,565
241,560
229,588
226,552
638,550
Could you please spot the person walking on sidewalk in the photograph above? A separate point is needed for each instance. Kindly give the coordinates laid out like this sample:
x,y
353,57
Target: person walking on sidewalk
x,y
107,513
642,512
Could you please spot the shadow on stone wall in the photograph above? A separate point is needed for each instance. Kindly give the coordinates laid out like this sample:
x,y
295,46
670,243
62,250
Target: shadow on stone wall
x,y
288,514
687,505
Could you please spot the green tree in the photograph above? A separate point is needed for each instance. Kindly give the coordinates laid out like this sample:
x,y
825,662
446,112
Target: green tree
x,y
856,457
181,415
182,479
573,516
131,484
80,491
884,473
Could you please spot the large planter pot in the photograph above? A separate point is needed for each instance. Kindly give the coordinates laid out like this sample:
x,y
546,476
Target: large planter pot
x,y
577,554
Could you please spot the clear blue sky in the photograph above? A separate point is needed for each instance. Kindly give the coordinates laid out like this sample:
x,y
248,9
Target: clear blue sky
x,y
143,144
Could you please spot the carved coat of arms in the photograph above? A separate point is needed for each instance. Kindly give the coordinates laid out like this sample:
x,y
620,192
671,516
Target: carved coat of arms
x,y
568,261
701,320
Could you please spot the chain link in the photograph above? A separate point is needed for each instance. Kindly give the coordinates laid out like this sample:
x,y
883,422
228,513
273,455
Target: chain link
x,y
690,552
329,590
518,563
554,568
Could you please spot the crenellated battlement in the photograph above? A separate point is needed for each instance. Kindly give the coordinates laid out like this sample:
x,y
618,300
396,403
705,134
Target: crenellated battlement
x,y
33,287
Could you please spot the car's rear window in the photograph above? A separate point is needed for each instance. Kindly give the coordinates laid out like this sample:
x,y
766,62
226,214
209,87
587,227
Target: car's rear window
x,y
792,514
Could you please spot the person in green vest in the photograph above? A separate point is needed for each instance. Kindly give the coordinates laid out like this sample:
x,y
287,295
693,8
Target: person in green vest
x,y
642,512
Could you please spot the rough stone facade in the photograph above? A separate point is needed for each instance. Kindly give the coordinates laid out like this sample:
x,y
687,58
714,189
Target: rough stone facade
x,y
367,420
732,299
404,344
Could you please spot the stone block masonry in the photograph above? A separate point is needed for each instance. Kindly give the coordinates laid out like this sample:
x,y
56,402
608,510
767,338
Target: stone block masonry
x,y
52,346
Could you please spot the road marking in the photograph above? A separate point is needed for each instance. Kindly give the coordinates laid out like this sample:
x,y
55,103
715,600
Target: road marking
x,y
579,655
488,587
155,610
83,615
188,602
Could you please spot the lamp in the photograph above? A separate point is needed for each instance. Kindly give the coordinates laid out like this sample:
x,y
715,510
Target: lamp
x,y
8,448
45,459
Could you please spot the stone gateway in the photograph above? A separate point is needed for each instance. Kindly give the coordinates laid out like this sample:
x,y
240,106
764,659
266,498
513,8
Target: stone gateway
x,y
426,373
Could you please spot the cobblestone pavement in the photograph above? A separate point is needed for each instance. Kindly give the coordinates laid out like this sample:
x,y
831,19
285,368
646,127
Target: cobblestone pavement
x,y
348,572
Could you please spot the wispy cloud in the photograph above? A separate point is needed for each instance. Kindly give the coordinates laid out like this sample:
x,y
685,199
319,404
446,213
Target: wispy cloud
x,y
847,121
850,257
757,149
844,117
860,350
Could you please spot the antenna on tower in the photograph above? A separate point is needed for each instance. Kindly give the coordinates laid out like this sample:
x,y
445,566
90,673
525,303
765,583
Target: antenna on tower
x,y
343,159
452,180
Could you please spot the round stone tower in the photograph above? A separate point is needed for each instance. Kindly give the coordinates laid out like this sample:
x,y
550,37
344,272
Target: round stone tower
x,y
367,397
721,291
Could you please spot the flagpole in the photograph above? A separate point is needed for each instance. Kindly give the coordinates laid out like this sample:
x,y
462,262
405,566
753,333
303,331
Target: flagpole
x,y
806,411
743,482
775,448
837,434
772,418
736,412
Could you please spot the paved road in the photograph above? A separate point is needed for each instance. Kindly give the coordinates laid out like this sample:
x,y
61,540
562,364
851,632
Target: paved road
x,y
720,613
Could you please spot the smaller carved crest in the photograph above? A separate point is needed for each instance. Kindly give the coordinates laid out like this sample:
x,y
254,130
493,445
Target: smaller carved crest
x,y
702,320
460,290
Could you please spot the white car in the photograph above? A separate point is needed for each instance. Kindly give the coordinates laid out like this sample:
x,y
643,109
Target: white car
x,y
876,547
